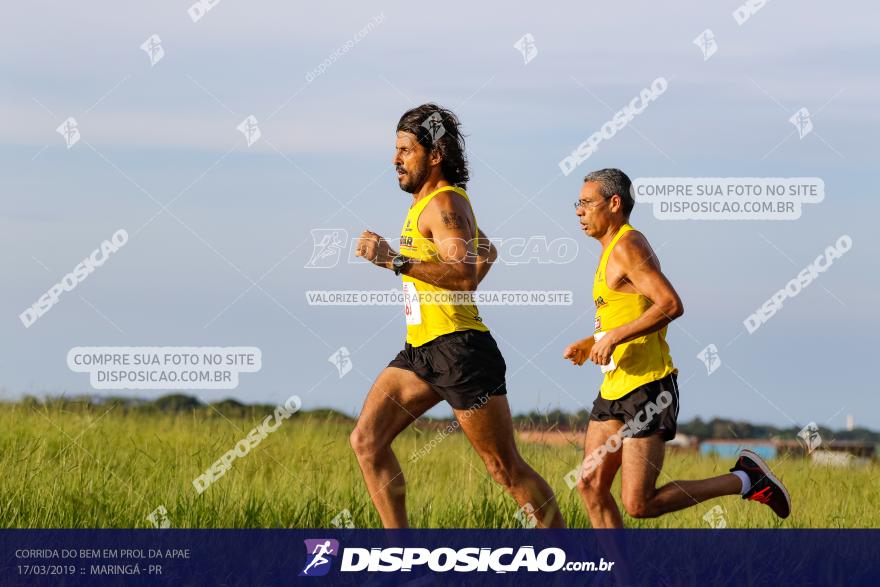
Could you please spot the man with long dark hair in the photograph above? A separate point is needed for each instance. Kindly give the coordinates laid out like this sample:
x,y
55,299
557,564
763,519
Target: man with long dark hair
x,y
449,353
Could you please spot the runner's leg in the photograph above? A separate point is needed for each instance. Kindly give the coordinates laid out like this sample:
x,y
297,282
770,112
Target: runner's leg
x,y
642,462
490,431
395,400
599,470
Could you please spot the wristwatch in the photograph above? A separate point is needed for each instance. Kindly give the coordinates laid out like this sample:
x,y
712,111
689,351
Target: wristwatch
x,y
399,263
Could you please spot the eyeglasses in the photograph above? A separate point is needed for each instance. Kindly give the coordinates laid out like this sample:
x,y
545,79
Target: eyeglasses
x,y
588,204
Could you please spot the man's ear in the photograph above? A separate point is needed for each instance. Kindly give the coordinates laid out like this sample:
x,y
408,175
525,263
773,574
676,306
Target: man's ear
x,y
434,157
616,204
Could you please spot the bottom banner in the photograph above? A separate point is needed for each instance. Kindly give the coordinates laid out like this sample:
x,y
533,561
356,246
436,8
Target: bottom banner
x,y
440,557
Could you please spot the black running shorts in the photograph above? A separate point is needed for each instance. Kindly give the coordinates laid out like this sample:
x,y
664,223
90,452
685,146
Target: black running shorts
x,y
661,418
465,368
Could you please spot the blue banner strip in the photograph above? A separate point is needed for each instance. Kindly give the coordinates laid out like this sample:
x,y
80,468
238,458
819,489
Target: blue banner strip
x,y
324,557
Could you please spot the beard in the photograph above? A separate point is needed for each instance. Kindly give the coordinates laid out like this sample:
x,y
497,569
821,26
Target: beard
x,y
413,179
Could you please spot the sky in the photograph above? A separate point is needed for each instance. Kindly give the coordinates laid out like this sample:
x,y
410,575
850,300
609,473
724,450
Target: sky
x,y
221,232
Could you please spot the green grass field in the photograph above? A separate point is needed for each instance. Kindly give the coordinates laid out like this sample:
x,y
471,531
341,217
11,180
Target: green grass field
x,y
90,469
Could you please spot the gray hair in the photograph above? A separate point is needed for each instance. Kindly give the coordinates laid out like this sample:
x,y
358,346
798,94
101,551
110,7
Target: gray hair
x,y
614,182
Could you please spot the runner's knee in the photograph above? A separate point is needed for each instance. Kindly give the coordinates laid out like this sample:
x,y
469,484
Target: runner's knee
x,y
364,444
637,506
592,484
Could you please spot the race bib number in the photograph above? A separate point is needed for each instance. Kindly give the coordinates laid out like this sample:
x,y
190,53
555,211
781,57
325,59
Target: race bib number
x,y
411,307
610,366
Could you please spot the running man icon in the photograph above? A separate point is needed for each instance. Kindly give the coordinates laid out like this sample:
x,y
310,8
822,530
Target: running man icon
x,y
317,564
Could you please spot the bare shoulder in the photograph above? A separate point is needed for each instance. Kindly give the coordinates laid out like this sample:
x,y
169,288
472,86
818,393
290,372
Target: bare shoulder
x,y
448,211
634,251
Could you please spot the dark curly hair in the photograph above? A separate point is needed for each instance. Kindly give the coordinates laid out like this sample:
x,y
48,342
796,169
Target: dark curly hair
x,y
437,128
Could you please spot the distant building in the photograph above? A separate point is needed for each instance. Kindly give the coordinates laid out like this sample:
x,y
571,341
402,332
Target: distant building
x,y
856,448
837,458
766,449
833,452
684,442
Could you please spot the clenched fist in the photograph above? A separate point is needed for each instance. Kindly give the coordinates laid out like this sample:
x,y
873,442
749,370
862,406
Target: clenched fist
x,y
578,352
374,249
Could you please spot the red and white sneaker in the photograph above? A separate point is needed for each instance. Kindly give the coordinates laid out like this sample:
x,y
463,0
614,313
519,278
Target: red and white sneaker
x,y
766,488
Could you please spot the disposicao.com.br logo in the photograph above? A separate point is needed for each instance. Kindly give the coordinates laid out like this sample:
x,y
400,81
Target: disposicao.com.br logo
x,y
318,552
441,560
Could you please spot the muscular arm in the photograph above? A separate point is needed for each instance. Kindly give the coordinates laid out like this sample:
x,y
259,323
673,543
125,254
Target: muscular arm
x,y
448,221
641,272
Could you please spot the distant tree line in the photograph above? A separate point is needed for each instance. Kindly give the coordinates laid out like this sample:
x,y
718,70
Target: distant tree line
x,y
719,428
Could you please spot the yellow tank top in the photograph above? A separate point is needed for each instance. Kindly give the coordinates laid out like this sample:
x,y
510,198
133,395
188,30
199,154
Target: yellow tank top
x,y
427,317
641,360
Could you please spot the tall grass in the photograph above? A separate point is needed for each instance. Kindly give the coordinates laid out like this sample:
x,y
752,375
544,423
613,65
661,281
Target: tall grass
x,y
94,468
